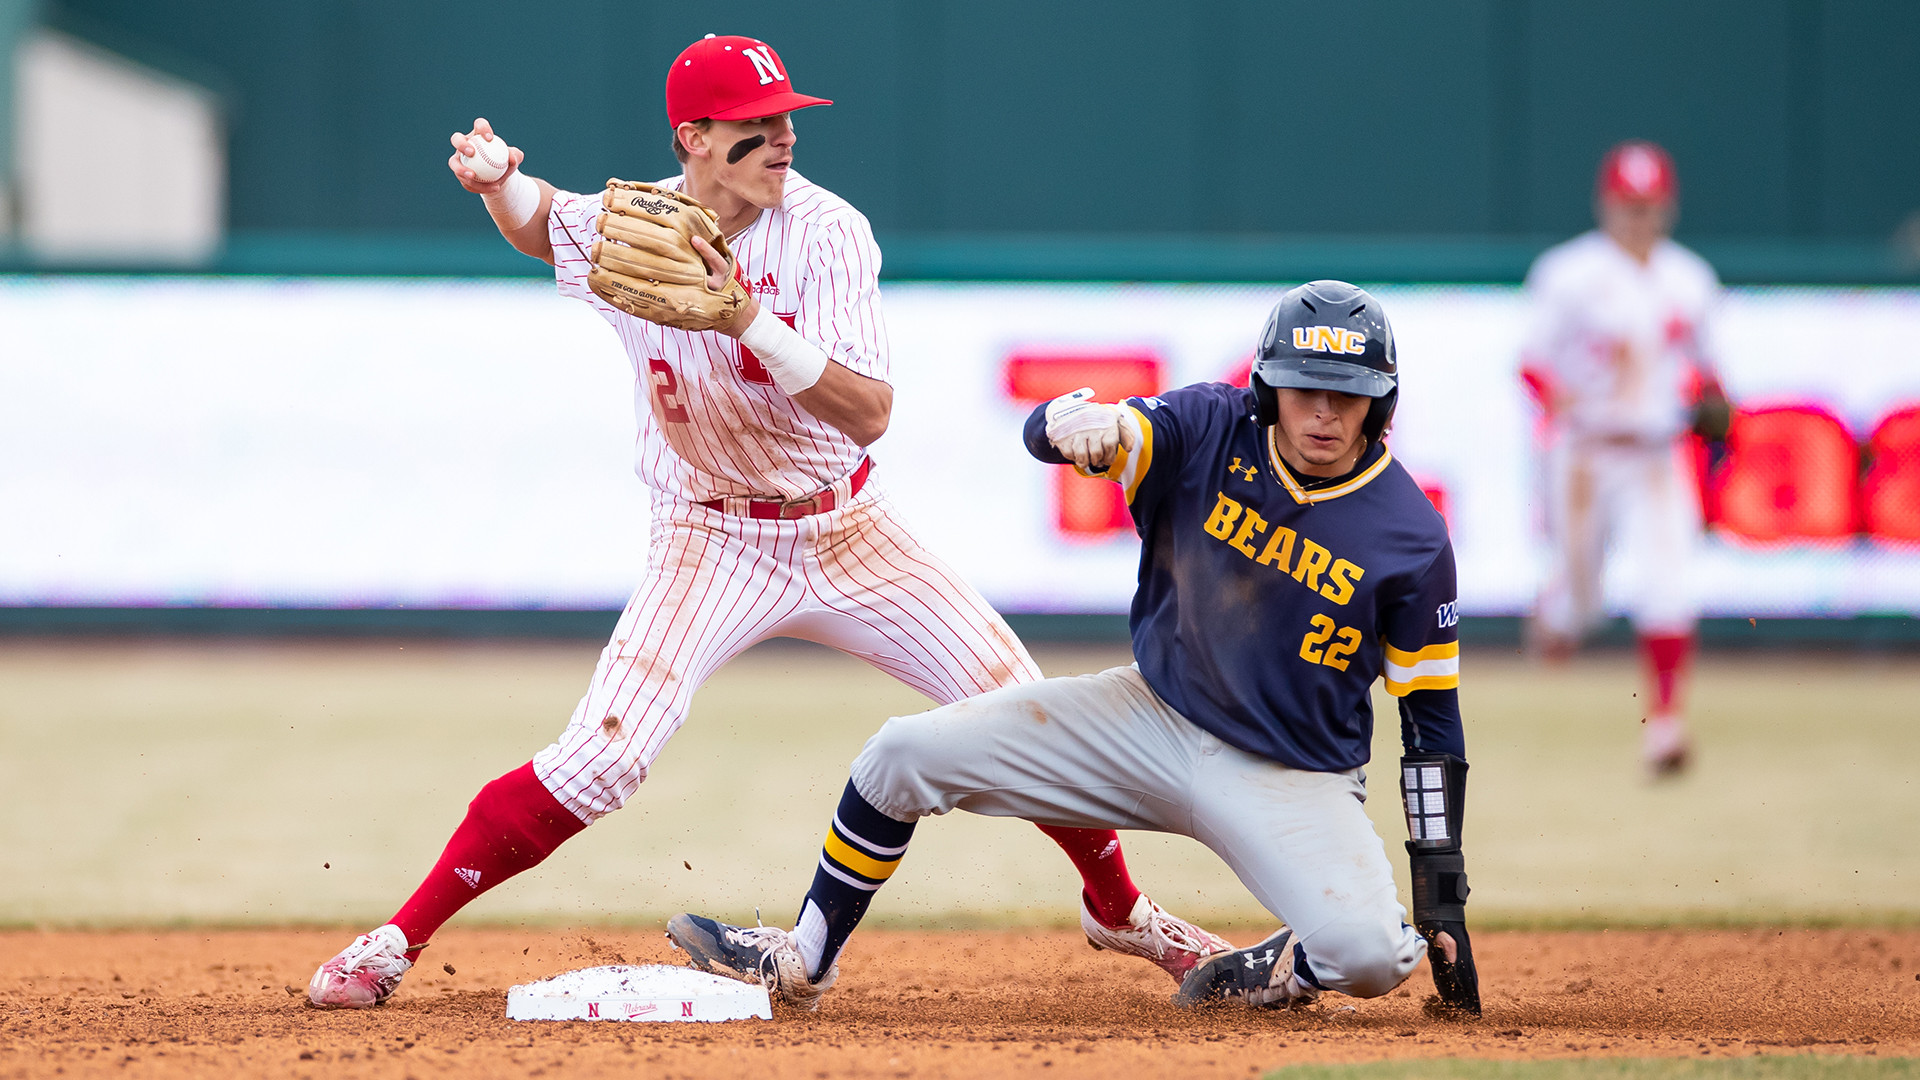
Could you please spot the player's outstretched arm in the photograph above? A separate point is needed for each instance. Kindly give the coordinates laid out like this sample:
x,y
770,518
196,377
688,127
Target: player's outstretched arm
x,y
519,203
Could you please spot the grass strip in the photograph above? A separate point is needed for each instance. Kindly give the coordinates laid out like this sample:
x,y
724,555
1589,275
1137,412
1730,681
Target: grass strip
x,y
1765,1067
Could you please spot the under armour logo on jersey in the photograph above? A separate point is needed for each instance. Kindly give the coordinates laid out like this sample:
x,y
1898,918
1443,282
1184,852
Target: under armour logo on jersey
x,y
1246,472
471,877
762,58
1329,339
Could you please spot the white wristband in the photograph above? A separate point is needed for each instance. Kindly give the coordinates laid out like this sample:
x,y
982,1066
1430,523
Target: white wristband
x,y
514,205
794,362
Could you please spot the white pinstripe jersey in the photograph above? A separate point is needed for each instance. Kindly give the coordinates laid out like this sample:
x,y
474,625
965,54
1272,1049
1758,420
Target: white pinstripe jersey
x,y
1619,337
712,424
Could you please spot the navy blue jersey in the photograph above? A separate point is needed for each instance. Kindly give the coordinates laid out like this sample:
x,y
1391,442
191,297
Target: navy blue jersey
x,y
1269,603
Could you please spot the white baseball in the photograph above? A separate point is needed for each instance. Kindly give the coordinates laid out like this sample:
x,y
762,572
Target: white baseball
x,y
488,160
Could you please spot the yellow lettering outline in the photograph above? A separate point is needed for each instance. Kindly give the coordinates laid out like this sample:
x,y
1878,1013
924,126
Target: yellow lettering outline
x,y
1279,550
1225,513
1338,588
1313,562
1324,630
1337,654
1250,526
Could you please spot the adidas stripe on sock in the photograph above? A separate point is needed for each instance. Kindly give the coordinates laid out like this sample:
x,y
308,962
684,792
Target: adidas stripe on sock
x,y
862,849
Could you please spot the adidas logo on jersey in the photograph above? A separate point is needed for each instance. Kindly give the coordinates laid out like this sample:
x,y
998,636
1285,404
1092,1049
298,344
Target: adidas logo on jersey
x,y
471,877
766,284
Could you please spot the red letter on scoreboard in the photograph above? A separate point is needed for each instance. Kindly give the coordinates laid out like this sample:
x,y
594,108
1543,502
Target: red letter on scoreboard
x,y
1890,492
1790,476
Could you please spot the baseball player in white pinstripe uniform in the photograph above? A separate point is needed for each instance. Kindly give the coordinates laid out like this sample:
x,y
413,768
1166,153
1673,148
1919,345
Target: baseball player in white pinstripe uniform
x,y
1621,323
765,520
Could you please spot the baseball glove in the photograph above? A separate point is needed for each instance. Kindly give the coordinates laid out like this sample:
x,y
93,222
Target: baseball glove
x,y
646,265
1712,413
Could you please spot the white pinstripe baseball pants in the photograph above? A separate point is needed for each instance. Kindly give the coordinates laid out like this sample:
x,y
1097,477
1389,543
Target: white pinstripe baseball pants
x,y
853,578
1641,503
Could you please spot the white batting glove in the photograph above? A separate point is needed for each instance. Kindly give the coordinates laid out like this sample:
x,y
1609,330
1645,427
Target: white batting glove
x,y
1087,432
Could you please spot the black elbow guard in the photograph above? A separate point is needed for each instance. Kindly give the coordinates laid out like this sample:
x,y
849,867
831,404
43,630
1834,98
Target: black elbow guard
x,y
1434,790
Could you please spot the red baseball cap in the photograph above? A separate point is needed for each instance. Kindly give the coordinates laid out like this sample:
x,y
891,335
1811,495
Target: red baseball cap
x,y
1637,171
730,78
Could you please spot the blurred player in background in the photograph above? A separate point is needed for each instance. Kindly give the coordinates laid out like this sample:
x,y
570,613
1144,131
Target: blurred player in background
x,y
1618,357
764,523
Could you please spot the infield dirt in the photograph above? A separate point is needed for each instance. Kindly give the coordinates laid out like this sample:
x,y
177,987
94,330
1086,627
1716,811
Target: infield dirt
x,y
932,1004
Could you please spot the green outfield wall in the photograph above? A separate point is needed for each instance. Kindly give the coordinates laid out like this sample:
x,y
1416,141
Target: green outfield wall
x,y
1464,132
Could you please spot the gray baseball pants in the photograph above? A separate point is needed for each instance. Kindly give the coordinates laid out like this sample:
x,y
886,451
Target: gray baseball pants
x,y
1104,751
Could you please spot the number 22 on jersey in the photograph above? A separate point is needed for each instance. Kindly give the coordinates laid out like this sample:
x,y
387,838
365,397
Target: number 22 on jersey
x,y
1314,648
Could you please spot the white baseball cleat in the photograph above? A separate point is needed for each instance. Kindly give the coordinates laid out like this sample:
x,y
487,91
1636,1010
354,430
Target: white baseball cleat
x,y
757,954
1665,748
364,974
1151,933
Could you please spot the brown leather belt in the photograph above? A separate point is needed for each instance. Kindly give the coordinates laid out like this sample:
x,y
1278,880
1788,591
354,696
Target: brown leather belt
x,y
818,503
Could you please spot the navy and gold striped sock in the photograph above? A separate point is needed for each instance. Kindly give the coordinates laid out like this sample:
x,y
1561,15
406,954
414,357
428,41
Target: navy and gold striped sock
x,y
862,849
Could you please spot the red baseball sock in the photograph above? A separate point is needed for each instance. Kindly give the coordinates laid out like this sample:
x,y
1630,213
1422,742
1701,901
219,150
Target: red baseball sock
x,y
1096,854
1667,656
512,825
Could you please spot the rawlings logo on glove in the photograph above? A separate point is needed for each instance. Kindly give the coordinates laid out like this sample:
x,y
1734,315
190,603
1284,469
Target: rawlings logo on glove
x,y
646,264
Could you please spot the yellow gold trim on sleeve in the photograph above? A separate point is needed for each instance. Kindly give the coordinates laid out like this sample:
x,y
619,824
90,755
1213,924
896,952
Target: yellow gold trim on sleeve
x,y
1424,682
1445,650
1435,667
1130,469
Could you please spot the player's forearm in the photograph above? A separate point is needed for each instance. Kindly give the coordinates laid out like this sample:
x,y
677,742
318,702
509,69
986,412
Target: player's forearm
x,y
857,405
850,401
1433,790
1430,723
520,213
1035,435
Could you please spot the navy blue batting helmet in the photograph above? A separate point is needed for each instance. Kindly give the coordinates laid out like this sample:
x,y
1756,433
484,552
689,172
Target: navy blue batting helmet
x,y
1328,335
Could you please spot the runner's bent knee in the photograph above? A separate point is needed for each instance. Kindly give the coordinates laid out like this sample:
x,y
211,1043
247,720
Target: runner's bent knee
x,y
1363,955
898,769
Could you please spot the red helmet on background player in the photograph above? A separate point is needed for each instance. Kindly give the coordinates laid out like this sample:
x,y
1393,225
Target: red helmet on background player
x,y
1637,171
730,78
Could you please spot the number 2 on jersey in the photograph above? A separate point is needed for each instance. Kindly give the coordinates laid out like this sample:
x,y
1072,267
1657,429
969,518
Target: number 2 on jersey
x,y
1335,655
666,391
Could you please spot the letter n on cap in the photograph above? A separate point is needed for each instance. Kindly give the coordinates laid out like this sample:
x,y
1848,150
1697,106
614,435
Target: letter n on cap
x,y
762,58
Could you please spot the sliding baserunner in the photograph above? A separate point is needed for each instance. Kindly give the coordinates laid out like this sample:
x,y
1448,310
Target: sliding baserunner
x,y
1288,561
